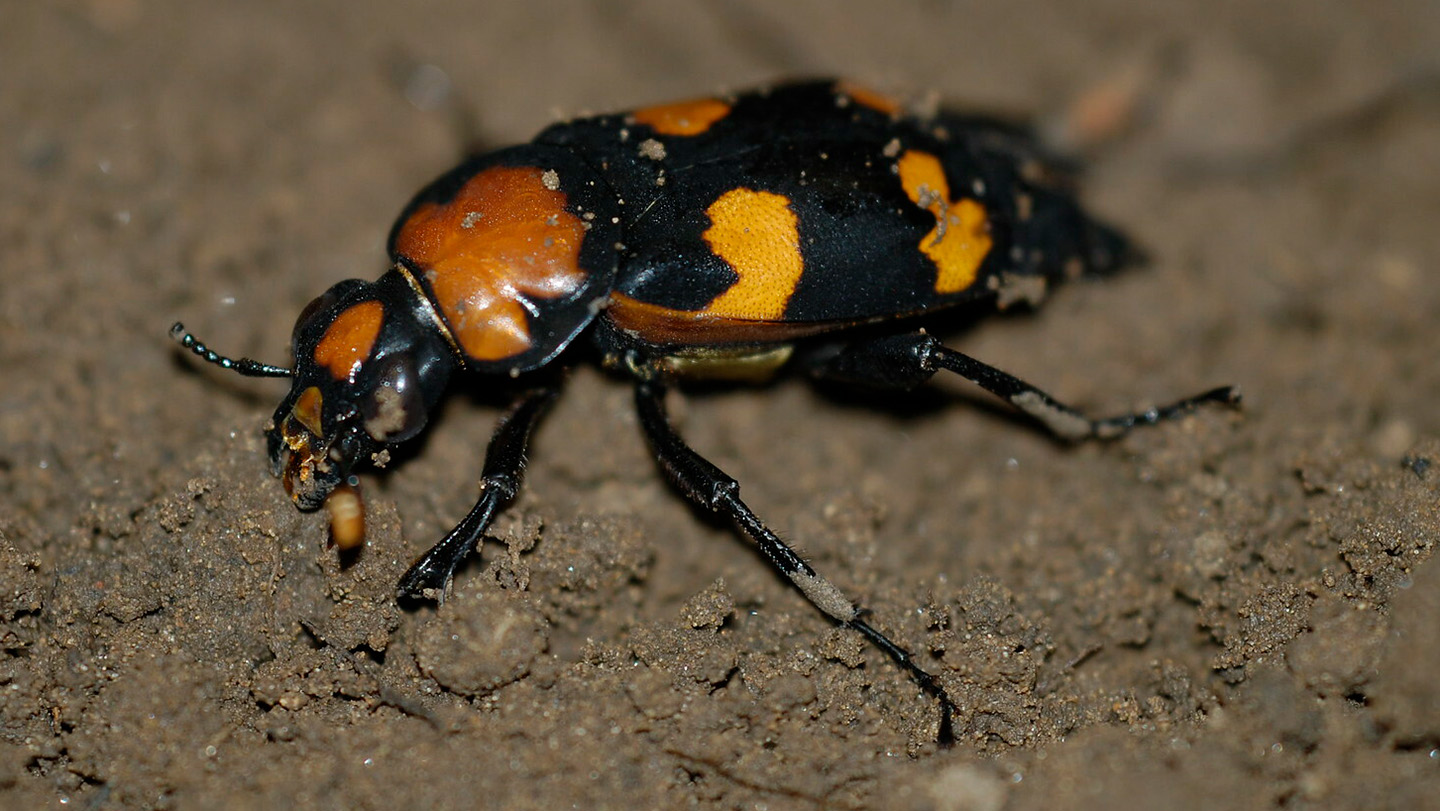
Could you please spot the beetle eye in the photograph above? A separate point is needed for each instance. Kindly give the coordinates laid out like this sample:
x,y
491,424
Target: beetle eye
x,y
394,410
321,303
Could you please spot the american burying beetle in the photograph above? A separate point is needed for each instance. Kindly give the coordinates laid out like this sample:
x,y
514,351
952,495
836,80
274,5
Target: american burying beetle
x,y
723,238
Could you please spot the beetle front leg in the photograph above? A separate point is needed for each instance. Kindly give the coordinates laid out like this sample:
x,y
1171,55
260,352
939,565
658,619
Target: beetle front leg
x,y
709,487
499,484
906,361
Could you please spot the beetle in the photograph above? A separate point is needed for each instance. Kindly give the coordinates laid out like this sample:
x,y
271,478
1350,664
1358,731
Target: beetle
x,y
814,224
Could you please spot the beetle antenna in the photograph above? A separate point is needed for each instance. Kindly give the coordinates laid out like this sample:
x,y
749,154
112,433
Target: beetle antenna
x,y
245,366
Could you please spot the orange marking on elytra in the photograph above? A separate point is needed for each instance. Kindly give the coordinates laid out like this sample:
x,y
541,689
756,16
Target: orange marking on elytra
x,y
865,97
349,338
961,237
505,241
684,117
757,234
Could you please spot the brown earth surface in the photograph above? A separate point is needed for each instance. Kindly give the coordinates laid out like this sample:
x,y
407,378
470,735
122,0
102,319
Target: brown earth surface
x,y
1229,611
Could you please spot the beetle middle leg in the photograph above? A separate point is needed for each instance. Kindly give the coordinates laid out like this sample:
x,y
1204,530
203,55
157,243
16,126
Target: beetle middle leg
x,y
709,487
500,482
906,361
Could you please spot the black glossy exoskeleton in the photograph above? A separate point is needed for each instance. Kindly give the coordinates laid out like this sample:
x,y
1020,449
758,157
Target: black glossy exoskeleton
x,y
724,237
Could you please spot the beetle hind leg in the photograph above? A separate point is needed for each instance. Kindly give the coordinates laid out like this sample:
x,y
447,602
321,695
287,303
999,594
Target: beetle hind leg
x,y
709,487
906,361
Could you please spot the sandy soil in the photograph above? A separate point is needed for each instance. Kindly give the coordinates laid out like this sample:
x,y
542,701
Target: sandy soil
x,y
1225,612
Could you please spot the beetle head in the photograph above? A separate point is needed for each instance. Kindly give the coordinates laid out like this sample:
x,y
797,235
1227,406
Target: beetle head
x,y
370,365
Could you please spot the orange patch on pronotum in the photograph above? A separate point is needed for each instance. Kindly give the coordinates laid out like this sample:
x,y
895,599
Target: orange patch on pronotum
x,y
348,341
503,242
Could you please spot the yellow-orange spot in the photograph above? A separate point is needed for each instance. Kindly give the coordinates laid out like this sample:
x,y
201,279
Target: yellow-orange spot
x,y
865,97
350,337
757,234
503,242
682,118
307,410
961,237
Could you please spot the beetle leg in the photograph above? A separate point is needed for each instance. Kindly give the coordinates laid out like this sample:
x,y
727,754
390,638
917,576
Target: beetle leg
x,y
709,487
500,482
906,361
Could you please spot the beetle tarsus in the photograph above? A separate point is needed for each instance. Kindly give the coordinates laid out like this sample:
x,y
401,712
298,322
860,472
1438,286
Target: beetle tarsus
x,y
908,360
922,677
